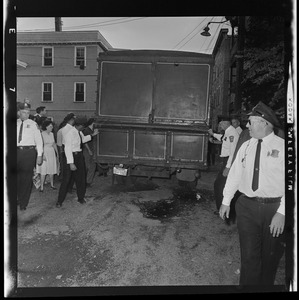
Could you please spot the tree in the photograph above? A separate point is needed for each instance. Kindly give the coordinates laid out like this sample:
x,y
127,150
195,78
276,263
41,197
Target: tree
x,y
264,68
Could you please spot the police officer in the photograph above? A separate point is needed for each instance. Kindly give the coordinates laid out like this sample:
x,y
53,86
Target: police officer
x,y
236,124
74,163
29,152
258,173
229,141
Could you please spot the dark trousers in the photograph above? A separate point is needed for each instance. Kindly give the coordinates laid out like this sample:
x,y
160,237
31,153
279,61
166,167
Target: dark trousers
x,y
26,160
219,184
62,160
78,176
260,251
211,154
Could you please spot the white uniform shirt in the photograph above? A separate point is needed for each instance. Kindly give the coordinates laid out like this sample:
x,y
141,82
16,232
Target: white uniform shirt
x,y
271,174
239,130
72,142
229,142
31,135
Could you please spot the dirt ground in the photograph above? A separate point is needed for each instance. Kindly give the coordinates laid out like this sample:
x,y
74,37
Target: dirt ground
x,y
150,234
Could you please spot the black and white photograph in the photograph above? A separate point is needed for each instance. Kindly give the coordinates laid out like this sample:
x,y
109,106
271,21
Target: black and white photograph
x,y
149,153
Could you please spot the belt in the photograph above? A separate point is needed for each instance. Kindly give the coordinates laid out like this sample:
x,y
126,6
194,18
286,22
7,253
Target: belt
x,y
25,147
264,200
77,152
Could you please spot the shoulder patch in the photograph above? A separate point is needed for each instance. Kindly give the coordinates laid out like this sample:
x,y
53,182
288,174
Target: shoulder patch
x,y
231,138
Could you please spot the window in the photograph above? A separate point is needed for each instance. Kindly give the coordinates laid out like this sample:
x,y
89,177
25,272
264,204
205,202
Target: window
x,y
79,92
80,56
47,91
48,56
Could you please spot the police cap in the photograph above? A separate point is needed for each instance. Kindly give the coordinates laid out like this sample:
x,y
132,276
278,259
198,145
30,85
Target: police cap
x,y
21,106
265,112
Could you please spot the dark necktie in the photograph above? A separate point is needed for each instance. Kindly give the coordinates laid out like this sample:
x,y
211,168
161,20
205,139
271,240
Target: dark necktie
x,y
255,179
81,143
20,132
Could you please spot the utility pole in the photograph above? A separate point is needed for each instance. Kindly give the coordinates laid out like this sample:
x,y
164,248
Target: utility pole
x,y
240,62
58,24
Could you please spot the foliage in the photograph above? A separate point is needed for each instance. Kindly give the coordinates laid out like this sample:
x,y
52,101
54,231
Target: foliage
x,y
264,69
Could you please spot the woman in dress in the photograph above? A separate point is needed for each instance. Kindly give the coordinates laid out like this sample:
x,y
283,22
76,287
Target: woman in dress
x,y
49,165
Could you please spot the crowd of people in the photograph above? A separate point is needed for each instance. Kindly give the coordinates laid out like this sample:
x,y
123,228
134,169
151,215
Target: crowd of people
x,y
39,152
249,187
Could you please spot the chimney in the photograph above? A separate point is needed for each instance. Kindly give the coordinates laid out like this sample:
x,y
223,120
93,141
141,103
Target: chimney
x,y
58,24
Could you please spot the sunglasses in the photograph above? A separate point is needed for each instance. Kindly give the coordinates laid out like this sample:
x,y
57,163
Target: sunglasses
x,y
250,121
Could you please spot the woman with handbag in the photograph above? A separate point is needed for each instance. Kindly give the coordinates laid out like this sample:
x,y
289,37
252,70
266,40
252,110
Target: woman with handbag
x,y
50,155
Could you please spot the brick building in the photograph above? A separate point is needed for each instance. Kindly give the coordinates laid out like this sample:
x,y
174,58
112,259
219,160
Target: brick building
x,y
58,70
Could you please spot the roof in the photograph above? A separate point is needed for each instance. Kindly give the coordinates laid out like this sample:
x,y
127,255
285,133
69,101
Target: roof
x,y
63,37
146,52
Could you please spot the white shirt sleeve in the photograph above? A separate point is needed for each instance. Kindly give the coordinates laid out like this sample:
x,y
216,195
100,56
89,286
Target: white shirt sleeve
x,y
68,138
218,136
233,179
85,138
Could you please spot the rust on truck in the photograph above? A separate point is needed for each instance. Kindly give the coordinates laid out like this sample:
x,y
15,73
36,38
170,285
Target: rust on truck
x,y
152,110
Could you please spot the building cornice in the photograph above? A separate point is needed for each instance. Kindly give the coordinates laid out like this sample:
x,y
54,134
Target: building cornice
x,y
60,43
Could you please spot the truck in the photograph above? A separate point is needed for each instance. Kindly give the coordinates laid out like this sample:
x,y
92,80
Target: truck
x,y
152,111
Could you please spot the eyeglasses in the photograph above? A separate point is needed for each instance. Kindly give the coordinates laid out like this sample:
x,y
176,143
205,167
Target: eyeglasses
x,y
258,120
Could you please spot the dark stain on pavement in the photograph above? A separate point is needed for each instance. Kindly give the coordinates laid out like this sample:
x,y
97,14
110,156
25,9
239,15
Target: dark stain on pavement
x,y
31,221
182,199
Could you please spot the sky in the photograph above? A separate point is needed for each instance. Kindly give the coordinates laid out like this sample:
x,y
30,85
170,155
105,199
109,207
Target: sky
x,y
164,33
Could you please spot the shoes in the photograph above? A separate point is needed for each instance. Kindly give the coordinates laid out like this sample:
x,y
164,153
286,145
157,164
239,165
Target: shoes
x,y
22,208
83,201
41,190
58,204
53,187
227,221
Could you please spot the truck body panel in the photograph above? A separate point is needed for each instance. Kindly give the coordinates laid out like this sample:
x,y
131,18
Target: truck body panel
x,y
153,109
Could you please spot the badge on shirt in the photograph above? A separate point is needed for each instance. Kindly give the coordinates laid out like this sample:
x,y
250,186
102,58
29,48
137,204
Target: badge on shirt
x,y
28,126
231,138
274,153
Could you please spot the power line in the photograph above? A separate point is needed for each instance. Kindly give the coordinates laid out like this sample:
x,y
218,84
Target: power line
x,y
189,33
97,23
215,36
111,23
211,40
192,37
101,24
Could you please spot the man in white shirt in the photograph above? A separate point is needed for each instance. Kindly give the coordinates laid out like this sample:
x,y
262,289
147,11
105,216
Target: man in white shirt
x,y
72,138
69,119
261,207
29,152
236,124
229,141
